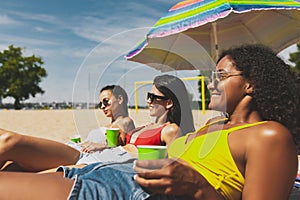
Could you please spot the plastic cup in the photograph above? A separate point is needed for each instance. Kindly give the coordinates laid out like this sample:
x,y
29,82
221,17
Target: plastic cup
x,y
151,152
112,135
75,138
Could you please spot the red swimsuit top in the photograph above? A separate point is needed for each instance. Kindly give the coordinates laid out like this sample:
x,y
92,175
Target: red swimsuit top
x,y
147,137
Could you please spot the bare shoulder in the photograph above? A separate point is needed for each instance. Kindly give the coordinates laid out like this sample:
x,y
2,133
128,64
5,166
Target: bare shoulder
x,y
269,135
171,129
126,124
272,130
169,133
127,121
269,159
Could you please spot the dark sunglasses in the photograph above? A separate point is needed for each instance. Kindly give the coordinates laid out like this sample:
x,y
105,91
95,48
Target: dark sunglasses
x,y
154,97
105,102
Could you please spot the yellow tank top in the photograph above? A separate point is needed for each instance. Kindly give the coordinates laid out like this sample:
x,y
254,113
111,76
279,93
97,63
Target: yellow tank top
x,y
209,154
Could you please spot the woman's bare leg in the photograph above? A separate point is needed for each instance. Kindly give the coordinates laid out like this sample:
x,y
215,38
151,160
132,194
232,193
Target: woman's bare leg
x,y
31,186
35,154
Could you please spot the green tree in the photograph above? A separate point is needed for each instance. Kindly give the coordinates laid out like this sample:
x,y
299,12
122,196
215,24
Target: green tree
x,y
19,75
295,58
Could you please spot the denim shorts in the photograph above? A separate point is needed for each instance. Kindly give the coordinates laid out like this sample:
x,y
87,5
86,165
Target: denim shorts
x,y
109,181
104,181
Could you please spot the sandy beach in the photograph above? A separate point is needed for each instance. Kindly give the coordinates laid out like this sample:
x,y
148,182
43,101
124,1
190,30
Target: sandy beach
x,y
59,125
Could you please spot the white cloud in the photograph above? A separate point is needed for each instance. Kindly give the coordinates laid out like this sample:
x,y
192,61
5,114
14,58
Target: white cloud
x,y
6,20
23,16
25,41
42,30
100,24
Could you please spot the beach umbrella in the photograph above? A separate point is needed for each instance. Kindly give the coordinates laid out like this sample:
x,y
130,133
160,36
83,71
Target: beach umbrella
x,y
193,32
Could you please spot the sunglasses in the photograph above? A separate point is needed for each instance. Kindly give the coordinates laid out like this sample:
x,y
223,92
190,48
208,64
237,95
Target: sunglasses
x,y
218,76
104,102
154,97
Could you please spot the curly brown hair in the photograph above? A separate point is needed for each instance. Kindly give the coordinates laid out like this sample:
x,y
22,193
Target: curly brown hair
x,y
276,94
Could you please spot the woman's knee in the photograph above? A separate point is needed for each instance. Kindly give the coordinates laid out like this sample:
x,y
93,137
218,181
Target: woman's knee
x,y
8,140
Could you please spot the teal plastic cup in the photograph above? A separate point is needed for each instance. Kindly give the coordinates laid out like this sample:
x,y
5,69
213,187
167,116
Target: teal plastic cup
x,y
112,135
151,152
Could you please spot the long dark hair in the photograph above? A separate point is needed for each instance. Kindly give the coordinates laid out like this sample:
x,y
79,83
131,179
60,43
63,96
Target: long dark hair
x,y
118,91
276,93
180,113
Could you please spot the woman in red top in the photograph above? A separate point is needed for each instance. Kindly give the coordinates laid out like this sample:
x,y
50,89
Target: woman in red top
x,y
168,102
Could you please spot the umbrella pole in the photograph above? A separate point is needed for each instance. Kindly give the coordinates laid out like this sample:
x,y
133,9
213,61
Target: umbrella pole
x,y
215,37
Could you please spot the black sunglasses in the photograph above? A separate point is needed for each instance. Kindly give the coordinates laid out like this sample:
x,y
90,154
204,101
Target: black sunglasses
x,y
105,102
154,97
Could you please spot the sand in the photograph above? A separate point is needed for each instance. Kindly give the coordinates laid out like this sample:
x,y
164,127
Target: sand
x,y
59,125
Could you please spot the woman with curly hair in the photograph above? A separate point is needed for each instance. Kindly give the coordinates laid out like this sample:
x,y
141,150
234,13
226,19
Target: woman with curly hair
x,y
249,155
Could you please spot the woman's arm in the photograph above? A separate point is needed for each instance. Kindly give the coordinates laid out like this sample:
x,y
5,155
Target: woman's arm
x,y
170,133
89,147
173,177
125,125
271,163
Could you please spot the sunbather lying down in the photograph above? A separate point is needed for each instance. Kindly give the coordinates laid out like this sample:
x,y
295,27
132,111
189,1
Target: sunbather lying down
x,y
36,154
249,155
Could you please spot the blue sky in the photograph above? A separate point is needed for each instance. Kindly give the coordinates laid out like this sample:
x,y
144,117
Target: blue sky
x,y
82,42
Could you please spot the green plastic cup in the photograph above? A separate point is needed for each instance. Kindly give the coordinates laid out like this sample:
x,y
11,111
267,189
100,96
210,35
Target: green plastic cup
x,y
75,138
112,135
151,152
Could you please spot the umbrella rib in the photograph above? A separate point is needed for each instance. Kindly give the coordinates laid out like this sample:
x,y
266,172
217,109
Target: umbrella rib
x,y
251,33
168,52
284,15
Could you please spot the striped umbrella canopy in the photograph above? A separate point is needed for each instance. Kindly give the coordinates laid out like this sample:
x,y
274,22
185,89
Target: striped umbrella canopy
x,y
193,32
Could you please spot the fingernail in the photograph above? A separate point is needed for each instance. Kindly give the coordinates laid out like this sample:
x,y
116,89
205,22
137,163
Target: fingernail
x,y
134,177
134,163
